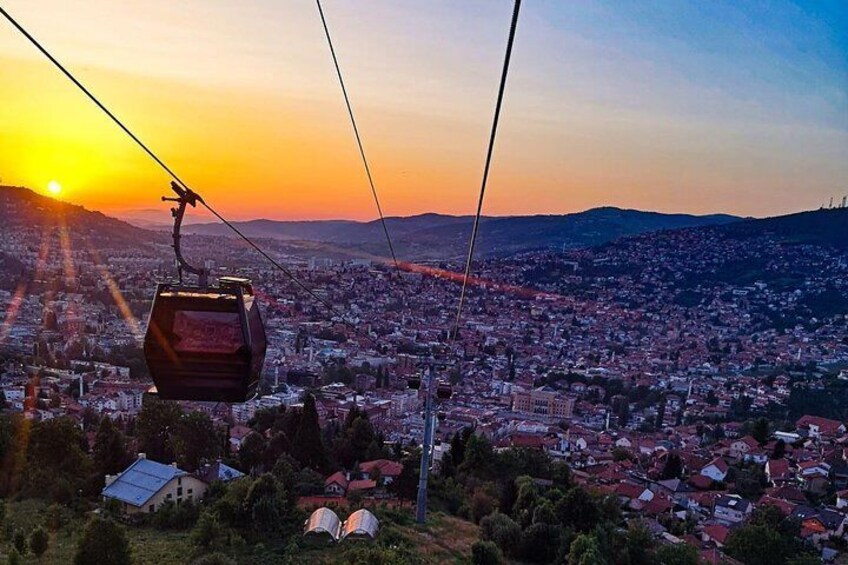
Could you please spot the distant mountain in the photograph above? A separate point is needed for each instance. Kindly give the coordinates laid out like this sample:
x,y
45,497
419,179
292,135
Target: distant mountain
x,y
22,209
438,236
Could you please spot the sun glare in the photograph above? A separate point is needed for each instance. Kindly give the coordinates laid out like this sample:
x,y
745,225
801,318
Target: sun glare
x,y
54,187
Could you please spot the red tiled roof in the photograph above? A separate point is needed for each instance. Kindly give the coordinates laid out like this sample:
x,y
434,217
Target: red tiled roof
x,y
364,484
701,482
338,477
387,468
783,505
717,532
778,468
629,490
826,426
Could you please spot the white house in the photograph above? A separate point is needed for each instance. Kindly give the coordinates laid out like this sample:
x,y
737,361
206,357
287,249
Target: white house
x,y
146,485
716,469
732,508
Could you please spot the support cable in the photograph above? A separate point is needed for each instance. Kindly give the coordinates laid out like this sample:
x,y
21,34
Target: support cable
x,y
324,302
358,138
476,226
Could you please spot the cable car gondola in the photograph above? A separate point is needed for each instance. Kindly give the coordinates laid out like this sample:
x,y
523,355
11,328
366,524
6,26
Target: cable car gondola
x,y
444,390
204,343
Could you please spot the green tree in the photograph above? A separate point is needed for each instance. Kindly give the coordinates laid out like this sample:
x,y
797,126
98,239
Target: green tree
x,y
110,449
39,541
103,542
251,451
486,553
14,557
577,510
757,545
155,426
760,430
540,543
677,554
673,468
585,551
405,486
478,458
639,544
266,504
779,449
502,530
57,464
307,446
195,441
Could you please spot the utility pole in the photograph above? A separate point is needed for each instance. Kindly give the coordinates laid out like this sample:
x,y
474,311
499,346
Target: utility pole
x,y
426,449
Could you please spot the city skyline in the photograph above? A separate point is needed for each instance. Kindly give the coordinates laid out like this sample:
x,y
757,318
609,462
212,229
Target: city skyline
x,y
675,108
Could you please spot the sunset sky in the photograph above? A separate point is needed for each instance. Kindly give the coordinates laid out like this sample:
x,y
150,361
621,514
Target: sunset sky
x,y
665,105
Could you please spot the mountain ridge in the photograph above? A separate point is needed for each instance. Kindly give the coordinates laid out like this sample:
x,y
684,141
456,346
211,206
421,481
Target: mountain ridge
x,y
433,235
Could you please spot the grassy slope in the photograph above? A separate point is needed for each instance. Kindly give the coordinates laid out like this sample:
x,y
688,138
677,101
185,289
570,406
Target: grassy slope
x,y
444,539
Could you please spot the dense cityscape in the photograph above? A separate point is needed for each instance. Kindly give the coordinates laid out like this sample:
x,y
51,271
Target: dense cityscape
x,y
692,379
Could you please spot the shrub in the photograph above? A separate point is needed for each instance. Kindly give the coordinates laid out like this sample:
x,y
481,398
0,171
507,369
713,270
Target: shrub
x,y
19,541
485,553
213,559
39,541
206,531
103,542
481,506
502,530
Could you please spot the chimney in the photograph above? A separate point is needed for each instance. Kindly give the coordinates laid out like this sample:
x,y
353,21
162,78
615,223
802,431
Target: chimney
x,y
142,456
110,479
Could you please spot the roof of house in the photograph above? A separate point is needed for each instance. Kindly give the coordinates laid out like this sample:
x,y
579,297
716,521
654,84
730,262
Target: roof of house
x,y
783,505
629,490
141,481
777,468
717,532
719,464
701,482
825,425
387,468
218,471
735,502
364,484
339,478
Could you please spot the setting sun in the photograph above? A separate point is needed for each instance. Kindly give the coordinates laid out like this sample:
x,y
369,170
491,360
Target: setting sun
x,y
54,187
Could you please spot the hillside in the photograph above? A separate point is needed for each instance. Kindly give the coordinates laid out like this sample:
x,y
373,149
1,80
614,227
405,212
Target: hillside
x,y
23,210
437,236
798,261
818,227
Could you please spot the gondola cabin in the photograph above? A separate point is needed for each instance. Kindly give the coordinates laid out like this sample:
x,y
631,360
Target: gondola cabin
x,y
205,344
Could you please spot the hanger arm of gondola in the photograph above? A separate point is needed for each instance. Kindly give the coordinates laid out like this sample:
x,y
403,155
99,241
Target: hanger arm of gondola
x,y
185,197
